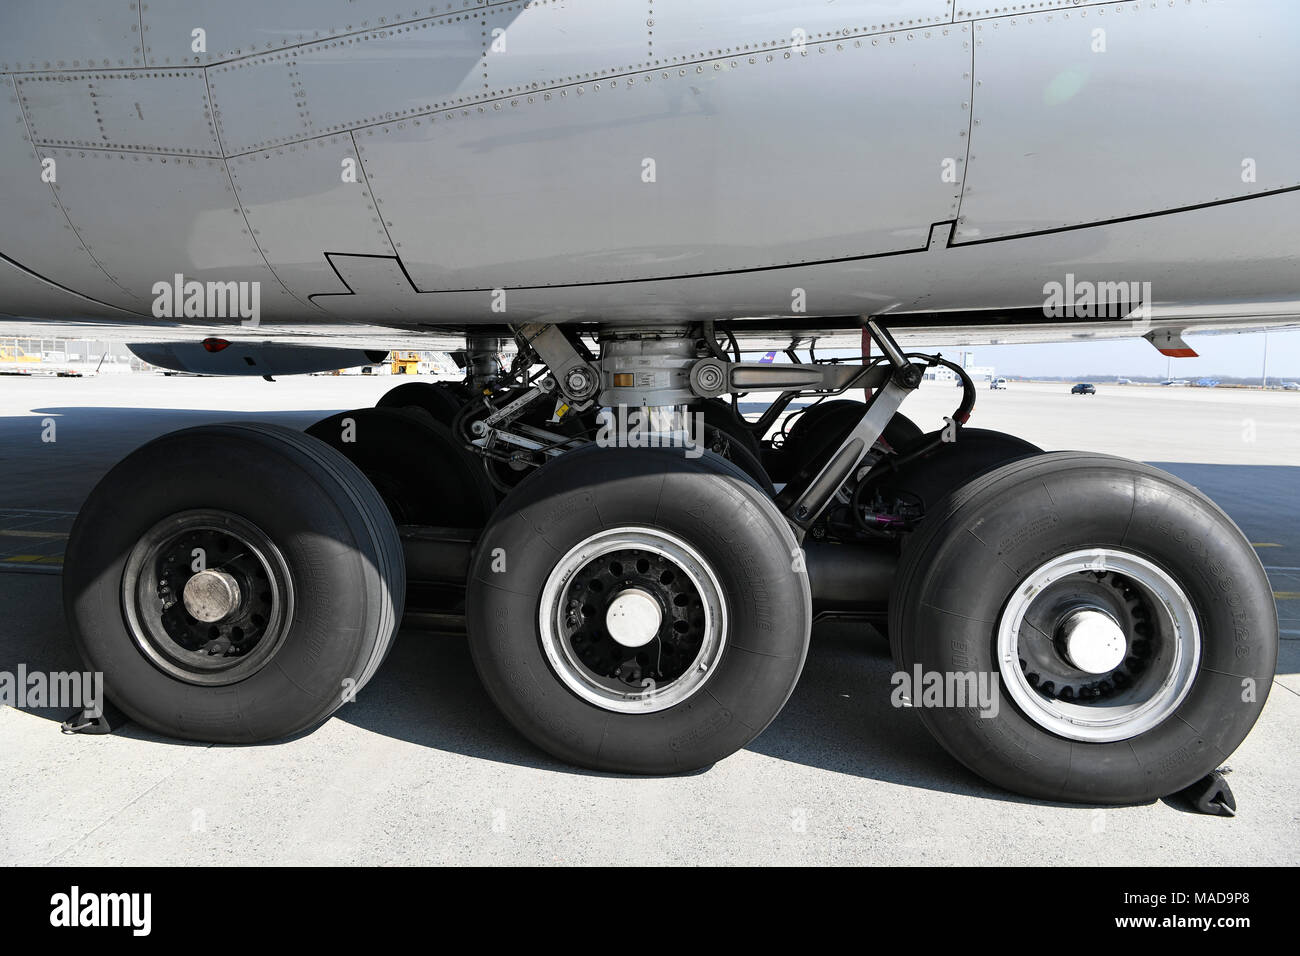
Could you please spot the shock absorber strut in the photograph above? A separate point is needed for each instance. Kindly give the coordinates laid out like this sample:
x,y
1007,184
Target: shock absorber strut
x,y
646,388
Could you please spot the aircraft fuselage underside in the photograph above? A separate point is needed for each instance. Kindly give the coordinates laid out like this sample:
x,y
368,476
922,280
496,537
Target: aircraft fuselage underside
x,y
482,164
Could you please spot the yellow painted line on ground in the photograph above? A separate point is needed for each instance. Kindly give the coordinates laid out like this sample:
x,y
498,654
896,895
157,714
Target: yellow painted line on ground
x,y
1264,544
34,534
1287,595
34,559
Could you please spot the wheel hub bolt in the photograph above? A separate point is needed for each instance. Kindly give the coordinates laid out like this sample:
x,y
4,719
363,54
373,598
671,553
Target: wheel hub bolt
x,y
210,596
1092,641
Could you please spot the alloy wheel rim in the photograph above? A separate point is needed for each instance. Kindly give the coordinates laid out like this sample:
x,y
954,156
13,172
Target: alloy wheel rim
x,y
633,620
1080,696
207,597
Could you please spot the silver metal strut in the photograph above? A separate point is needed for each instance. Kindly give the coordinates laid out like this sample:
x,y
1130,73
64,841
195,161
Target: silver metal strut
x,y
903,379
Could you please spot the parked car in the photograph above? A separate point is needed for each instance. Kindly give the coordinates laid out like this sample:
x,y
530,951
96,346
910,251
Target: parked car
x,y
1291,386
998,383
1084,388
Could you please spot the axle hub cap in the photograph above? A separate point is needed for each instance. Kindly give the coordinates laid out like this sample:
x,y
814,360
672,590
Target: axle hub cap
x,y
633,618
1093,641
210,596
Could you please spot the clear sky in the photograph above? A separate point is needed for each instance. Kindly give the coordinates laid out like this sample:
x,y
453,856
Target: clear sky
x,y
1239,354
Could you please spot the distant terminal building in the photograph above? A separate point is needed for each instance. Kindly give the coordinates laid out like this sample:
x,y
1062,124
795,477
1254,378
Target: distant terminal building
x,y
978,373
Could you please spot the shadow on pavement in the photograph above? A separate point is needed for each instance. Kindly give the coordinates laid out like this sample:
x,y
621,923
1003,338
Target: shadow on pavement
x,y
839,718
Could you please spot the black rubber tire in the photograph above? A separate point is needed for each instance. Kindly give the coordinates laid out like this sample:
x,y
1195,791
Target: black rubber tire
x,y
932,477
959,570
722,415
341,547
817,432
424,475
738,453
824,426
442,400
736,529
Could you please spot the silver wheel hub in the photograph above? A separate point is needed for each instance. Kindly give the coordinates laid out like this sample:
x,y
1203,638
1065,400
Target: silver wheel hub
x,y
1093,641
633,620
210,596
209,627
1098,645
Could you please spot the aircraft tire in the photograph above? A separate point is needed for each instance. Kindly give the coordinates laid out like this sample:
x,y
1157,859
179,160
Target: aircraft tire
x,y
442,400
720,414
555,571
817,432
1015,576
423,473
736,451
317,570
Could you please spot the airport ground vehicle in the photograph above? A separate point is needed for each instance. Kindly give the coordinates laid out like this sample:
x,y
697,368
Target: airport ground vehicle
x,y
998,383
15,359
599,193
1084,388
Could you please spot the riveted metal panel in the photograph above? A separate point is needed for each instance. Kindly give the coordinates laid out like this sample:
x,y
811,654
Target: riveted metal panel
x,y
183,218
551,187
148,110
300,207
1169,105
691,29
537,43
33,228
238,28
968,10
69,34
258,102
332,86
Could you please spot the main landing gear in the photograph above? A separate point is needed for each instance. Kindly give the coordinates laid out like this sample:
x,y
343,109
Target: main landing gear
x,y
638,566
